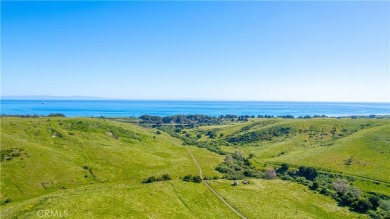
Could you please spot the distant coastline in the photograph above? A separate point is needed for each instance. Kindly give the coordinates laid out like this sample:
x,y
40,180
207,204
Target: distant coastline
x,y
125,108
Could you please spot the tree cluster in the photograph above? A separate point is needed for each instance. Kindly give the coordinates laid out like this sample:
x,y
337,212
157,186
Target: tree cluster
x,y
236,166
190,178
164,177
339,189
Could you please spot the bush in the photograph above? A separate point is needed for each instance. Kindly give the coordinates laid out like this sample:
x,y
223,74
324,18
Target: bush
x,y
187,178
151,179
166,177
340,185
375,201
190,178
309,173
196,179
362,205
314,186
238,155
285,177
270,174
302,180
283,168
347,199
373,214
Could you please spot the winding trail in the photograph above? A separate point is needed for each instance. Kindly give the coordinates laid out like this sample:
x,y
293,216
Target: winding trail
x,y
211,189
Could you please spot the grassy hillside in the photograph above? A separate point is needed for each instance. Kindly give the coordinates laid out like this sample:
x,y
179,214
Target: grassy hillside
x,y
353,146
52,154
95,167
280,199
173,199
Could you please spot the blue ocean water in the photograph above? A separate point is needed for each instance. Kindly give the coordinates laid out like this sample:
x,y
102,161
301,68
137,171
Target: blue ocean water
x,y
73,108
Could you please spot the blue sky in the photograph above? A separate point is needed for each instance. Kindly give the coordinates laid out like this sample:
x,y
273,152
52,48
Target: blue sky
x,y
279,51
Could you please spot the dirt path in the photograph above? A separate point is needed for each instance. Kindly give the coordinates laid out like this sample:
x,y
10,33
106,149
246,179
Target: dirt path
x,y
211,189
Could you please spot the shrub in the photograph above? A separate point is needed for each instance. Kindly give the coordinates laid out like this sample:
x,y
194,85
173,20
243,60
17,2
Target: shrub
x,y
373,214
166,177
340,185
151,179
283,168
190,178
196,179
238,155
302,180
270,174
314,186
309,173
347,199
362,205
223,168
187,178
375,201
285,177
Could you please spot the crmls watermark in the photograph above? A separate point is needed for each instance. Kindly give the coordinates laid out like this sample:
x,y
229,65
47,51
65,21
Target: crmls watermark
x,y
52,213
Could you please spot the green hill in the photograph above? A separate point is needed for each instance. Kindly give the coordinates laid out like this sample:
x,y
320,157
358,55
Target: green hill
x,y
353,146
95,167
51,154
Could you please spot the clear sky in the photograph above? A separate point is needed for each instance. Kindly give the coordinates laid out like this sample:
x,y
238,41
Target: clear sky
x,y
280,51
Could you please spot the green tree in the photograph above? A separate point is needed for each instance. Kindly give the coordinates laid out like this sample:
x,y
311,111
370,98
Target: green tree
x,y
187,178
196,179
362,205
166,177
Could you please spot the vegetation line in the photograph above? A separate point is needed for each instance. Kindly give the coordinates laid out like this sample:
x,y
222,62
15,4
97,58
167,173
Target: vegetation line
x,y
326,171
211,189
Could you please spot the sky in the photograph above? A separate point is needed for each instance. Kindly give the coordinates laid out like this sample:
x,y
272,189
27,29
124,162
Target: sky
x,y
255,51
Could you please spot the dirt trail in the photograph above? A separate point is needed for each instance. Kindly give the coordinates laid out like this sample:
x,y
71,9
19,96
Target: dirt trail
x,y
211,189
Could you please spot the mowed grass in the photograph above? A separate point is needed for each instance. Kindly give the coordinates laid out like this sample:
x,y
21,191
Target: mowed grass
x,y
280,199
173,199
47,164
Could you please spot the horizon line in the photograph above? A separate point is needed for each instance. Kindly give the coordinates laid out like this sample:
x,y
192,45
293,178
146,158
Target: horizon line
x,y
89,98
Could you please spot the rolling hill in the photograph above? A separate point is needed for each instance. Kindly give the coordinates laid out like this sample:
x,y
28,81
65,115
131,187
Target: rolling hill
x,y
95,167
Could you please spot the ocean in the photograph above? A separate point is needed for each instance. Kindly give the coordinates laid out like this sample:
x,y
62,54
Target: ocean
x,y
126,108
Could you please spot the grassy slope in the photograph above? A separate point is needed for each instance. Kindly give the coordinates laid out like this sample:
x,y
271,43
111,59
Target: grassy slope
x,y
49,173
173,199
280,199
368,149
311,142
207,161
54,163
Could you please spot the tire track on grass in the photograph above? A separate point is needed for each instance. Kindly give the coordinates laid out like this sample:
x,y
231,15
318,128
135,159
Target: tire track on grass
x,y
212,190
